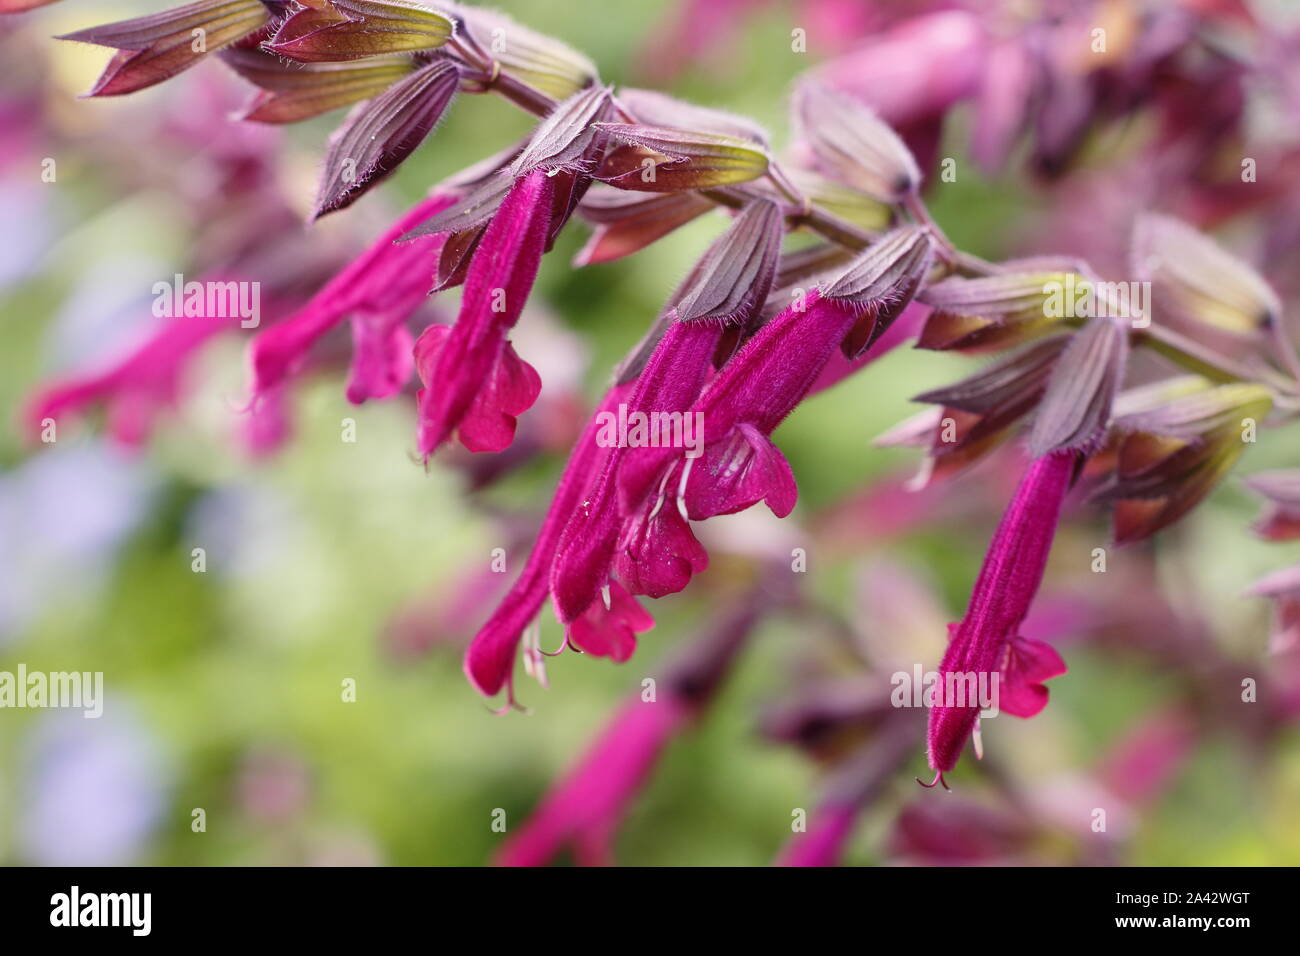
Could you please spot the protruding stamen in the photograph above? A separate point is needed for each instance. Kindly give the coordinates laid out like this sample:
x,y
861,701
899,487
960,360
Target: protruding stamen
x,y
938,779
511,703
534,659
681,489
659,500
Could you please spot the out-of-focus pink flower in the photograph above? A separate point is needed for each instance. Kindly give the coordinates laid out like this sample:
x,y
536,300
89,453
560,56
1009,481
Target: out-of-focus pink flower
x,y
958,832
379,290
1281,519
698,30
585,808
854,786
916,69
145,383
1283,587
823,844
1142,765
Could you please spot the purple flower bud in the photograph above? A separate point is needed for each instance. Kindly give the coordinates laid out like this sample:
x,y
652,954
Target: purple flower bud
x,y
661,159
1075,410
1175,441
289,92
992,312
352,29
852,144
380,134
157,47
627,222
542,62
1199,289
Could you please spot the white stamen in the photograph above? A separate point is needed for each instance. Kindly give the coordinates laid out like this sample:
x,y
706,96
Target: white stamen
x,y
604,595
659,503
681,489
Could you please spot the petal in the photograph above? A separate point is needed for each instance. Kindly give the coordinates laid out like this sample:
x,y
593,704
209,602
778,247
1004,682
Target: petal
x,y
511,389
1027,663
381,357
610,631
658,554
737,472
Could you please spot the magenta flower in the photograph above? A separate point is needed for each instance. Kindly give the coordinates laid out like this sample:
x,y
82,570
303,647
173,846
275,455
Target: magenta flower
x,y
987,640
630,524
475,384
490,658
379,290
136,389
147,382
670,382
739,466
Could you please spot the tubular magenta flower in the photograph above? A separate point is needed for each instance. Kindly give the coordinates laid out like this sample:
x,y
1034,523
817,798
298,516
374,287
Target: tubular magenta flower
x,y
987,640
739,466
475,384
380,290
490,658
150,380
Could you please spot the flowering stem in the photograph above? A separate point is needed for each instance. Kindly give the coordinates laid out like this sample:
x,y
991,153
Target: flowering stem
x,y
1174,346
788,189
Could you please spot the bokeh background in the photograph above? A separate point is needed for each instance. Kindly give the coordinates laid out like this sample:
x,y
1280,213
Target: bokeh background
x,y
332,560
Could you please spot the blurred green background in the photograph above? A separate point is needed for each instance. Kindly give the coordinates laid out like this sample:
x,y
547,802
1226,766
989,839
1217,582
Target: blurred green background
x,y
223,688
